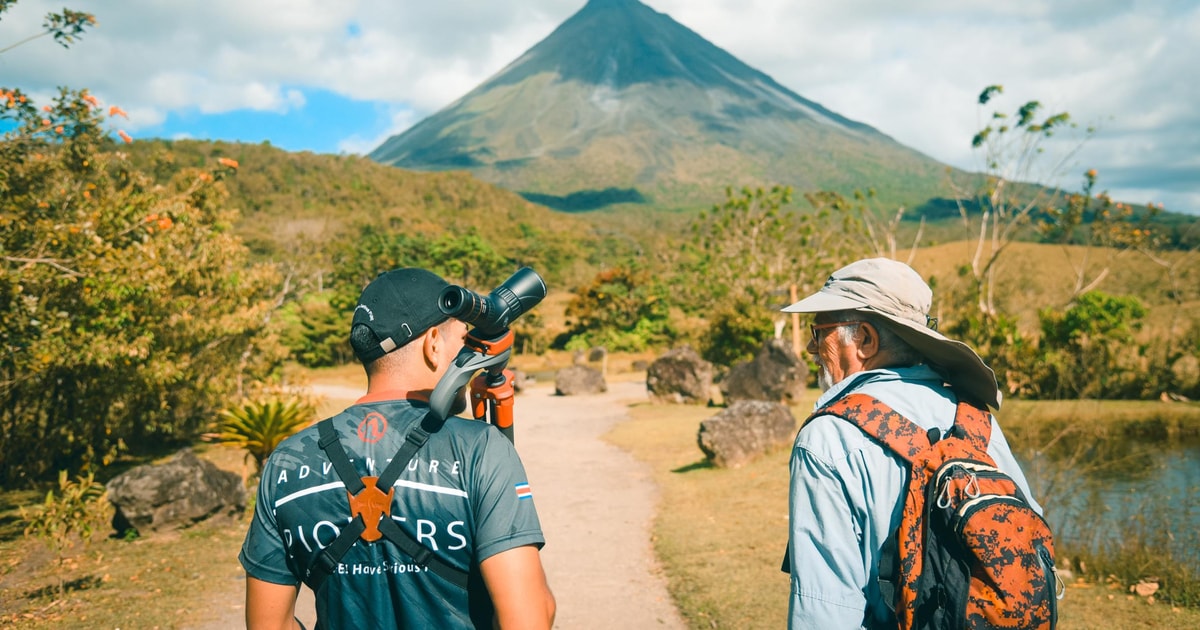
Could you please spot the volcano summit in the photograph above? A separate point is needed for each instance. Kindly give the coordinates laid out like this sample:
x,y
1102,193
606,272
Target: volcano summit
x,y
624,104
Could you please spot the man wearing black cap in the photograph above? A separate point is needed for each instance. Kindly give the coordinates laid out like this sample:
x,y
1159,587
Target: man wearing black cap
x,y
871,334
464,495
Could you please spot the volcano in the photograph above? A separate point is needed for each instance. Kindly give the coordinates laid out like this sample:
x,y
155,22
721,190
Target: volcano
x,y
622,104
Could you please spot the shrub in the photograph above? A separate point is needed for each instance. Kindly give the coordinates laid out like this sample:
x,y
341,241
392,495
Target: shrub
x,y
76,512
128,311
259,427
736,333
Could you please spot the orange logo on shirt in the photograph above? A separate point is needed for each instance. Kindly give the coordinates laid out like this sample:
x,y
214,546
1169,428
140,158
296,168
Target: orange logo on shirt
x,y
372,427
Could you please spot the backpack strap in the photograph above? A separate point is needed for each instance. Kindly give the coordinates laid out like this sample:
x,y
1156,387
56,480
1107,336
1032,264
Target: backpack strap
x,y
369,502
974,424
910,443
901,559
899,434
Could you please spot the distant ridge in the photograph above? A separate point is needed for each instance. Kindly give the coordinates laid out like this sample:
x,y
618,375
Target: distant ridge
x,y
623,98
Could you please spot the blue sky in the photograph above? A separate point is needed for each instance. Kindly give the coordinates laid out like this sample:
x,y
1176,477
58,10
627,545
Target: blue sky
x,y
340,77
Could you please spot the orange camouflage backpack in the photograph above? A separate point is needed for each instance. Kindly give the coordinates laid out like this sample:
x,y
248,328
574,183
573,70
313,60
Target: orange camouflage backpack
x,y
970,551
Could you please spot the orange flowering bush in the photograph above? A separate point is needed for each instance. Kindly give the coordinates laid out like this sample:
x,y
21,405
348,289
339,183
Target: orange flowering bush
x,y
129,313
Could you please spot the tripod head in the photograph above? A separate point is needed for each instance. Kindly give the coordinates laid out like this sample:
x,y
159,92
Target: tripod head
x,y
488,347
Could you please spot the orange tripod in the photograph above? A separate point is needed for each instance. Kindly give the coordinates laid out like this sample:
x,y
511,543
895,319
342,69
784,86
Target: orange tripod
x,y
491,391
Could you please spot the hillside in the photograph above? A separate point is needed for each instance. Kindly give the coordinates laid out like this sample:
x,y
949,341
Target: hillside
x,y
623,105
1034,276
298,206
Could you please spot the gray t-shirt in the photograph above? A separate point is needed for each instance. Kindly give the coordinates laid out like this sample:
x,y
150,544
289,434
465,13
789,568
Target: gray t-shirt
x,y
464,495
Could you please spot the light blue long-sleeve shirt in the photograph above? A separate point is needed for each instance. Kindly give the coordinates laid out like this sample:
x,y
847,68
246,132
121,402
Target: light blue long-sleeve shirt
x,y
845,497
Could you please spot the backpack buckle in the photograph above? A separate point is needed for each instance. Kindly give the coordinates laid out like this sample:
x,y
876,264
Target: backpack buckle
x,y
373,505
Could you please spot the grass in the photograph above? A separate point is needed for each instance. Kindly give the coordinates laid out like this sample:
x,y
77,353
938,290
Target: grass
x,y
169,580
720,533
1026,420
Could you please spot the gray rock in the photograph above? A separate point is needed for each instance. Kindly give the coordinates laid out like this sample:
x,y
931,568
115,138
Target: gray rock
x,y
579,379
744,431
520,380
179,492
680,376
775,374
599,353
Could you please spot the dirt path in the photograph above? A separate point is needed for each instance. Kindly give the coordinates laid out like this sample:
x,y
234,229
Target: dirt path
x,y
596,503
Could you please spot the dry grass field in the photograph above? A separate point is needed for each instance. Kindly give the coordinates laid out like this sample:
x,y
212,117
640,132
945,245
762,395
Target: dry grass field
x,y
1033,276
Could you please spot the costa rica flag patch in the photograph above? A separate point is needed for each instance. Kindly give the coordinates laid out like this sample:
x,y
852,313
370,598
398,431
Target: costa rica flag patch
x,y
523,491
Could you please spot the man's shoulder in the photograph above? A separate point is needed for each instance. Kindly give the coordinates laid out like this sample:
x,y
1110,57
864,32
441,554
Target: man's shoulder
x,y
829,437
832,437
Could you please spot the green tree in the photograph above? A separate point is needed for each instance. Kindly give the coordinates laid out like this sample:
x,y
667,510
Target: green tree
x,y
745,254
316,325
1088,350
1012,148
1094,230
315,331
66,26
621,309
736,332
467,259
129,309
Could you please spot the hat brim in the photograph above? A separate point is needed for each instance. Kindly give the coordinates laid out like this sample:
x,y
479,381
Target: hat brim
x,y
954,360
820,302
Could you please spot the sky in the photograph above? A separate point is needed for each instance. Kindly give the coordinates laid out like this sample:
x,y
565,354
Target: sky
x,y
341,77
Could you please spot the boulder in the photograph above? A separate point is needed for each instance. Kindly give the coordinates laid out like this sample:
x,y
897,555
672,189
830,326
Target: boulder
x,y
744,431
579,379
680,376
179,492
521,381
775,374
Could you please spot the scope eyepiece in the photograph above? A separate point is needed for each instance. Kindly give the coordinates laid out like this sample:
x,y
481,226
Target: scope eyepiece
x,y
492,314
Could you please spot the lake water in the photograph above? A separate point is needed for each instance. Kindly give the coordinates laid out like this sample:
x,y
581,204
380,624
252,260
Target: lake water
x,y
1108,492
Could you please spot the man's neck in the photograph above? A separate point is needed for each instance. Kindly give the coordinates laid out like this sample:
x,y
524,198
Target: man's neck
x,y
399,386
379,395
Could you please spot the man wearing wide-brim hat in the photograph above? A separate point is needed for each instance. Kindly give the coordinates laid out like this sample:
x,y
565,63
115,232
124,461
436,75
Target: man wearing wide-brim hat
x,y
871,334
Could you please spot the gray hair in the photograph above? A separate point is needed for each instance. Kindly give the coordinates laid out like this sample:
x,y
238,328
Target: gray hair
x,y
897,351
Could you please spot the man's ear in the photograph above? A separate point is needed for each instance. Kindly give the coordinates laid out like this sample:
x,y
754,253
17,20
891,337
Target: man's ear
x,y
431,345
868,341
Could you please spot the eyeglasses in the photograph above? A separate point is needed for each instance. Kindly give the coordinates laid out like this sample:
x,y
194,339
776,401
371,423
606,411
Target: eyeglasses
x,y
813,328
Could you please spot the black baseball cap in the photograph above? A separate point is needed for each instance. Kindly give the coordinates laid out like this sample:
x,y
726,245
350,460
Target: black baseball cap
x,y
398,306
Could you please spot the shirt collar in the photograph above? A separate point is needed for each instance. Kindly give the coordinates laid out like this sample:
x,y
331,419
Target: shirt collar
x,y
880,375
394,394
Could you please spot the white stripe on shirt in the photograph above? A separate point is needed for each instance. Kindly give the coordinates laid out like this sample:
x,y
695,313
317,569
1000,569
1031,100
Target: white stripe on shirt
x,y
399,482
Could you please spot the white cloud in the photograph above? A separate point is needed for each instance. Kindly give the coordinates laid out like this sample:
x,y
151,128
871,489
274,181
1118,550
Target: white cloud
x,y
400,121
912,70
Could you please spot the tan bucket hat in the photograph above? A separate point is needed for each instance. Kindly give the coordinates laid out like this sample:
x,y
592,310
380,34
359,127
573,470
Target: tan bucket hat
x,y
898,294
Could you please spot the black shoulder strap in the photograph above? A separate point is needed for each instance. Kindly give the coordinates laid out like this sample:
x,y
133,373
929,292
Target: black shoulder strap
x,y
326,561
